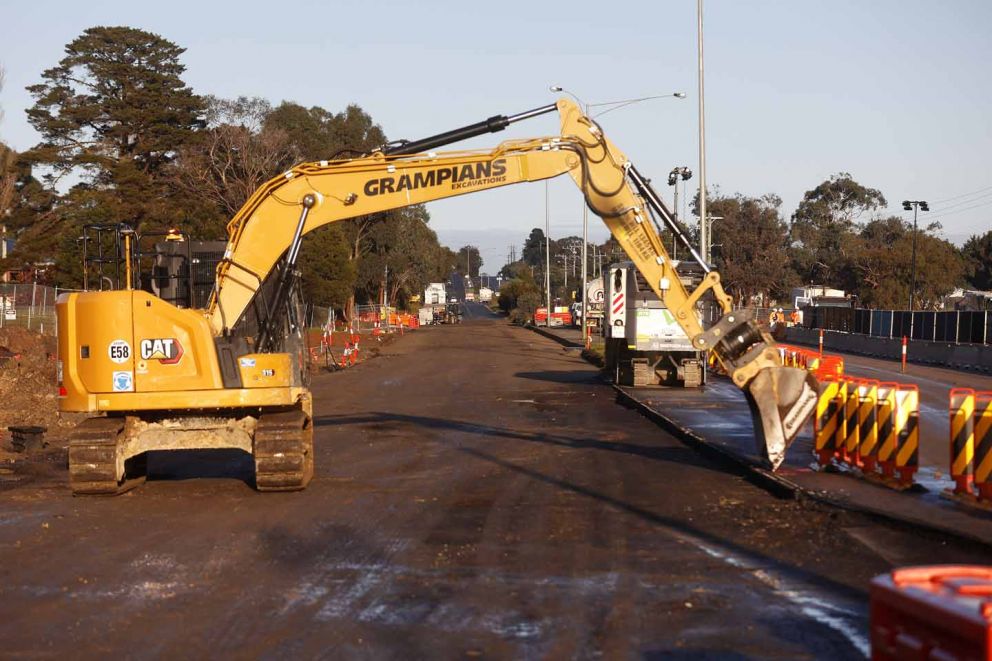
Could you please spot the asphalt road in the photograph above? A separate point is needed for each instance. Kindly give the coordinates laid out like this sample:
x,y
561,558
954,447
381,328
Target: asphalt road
x,y
479,492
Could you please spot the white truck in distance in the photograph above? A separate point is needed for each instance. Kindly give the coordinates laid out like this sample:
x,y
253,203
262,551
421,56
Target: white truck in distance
x,y
434,294
645,345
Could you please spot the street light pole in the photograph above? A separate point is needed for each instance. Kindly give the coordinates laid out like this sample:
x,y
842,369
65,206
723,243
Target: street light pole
x,y
915,206
547,251
702,140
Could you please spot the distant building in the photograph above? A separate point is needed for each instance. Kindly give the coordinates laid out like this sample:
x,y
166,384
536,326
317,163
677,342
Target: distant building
x,y
968,299
819,296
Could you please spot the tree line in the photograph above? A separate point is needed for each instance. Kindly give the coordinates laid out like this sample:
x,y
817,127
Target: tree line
x,y
125,139
837,237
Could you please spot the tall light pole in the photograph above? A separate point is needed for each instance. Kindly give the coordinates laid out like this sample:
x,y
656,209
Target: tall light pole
x,y
915,206
703,229
547,251
616,105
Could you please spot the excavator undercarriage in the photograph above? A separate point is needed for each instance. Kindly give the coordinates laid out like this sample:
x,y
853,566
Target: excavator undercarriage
x,y
108,455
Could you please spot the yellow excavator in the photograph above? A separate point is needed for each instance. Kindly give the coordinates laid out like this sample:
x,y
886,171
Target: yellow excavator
x,y
155,376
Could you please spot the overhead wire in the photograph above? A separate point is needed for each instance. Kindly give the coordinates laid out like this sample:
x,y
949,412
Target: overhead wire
x,y
961,203
941,214
957,197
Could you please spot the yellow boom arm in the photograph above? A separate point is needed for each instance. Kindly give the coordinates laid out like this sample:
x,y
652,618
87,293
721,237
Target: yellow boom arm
x,y
272,223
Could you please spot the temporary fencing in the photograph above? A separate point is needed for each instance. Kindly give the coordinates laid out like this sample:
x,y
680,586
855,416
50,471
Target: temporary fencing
x,y
942,612
819,363
955,326
385,318
870,426
971,444
28,305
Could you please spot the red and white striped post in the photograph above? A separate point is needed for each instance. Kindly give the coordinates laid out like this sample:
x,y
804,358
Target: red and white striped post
x,y
904,353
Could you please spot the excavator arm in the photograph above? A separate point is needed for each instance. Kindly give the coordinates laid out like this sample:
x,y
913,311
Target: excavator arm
x,y
270,227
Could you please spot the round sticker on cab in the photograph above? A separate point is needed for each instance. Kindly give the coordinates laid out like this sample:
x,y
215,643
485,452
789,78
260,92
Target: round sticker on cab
x,y
119,351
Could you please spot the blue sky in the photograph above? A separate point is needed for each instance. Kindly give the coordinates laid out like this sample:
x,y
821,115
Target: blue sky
x,y
897,93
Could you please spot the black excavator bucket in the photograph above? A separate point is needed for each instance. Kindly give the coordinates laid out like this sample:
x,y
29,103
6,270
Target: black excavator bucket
x,y
781,398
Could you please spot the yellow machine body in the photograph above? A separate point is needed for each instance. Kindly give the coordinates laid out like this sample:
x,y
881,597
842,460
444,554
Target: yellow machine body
x,y
128,350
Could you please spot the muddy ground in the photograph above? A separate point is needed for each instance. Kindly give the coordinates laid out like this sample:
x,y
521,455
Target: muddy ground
x,y
479,492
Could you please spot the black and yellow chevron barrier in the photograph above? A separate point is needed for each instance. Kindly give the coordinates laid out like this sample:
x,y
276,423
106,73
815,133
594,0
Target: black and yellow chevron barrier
x,y
867,425
907,432
983,445
873,427
971,445
962,410
887,439
825,420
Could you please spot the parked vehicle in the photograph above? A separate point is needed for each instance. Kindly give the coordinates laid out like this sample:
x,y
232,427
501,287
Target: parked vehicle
x,y
435,294
645,345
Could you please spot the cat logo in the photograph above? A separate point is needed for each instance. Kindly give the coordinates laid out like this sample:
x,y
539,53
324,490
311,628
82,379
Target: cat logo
x,y
167,351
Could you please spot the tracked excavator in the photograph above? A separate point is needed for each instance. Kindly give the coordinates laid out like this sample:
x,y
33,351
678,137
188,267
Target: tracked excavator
x,y
154,376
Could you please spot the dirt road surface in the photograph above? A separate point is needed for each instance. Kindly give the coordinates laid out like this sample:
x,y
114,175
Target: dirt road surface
x,y
479,493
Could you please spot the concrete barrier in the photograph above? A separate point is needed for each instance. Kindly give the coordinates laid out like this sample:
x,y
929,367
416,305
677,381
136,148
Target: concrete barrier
x,y
970,357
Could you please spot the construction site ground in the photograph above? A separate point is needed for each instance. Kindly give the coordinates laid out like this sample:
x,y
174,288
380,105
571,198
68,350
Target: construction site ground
x,y
718,417
479,492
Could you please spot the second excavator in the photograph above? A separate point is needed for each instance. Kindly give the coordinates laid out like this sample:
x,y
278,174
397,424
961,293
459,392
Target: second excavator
x,y
154,376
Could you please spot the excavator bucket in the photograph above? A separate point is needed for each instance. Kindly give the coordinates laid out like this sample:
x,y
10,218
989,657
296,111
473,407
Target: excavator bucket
x,y
782,399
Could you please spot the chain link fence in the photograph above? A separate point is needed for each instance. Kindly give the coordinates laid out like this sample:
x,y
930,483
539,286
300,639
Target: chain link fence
x,y
29,306
32,306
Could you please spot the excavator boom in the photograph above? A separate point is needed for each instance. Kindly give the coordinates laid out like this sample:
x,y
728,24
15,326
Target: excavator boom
x,y
406,173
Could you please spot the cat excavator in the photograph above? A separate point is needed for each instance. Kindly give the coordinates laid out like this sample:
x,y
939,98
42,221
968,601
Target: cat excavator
x,y
154,376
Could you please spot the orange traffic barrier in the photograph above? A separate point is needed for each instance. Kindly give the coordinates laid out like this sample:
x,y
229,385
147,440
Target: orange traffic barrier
x,y
962,410
832,365
873,427
813,361
849,451
867,425
887,439
825,421
942,612
983,445
907,432
971,445
840,436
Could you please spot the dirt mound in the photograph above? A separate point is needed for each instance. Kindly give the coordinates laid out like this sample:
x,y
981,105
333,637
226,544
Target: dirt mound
x,y
27,382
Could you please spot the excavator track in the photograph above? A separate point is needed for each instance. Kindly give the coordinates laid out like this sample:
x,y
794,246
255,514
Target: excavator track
x,y
283,452
95,463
